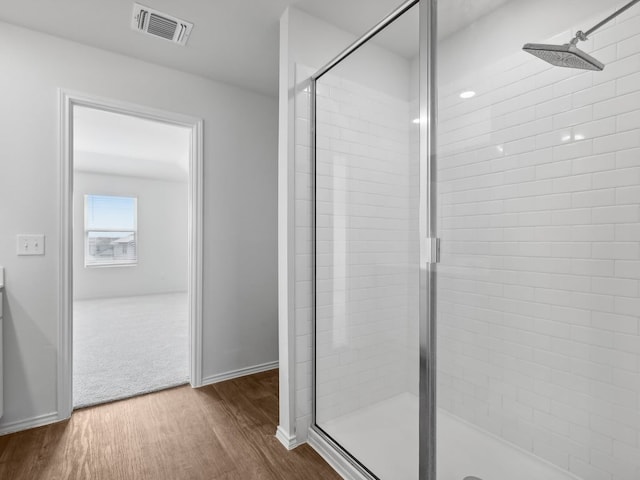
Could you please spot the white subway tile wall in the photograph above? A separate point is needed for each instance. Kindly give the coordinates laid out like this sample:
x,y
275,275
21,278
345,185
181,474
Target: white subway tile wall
x,y
303,255
539,285
372,177
366,248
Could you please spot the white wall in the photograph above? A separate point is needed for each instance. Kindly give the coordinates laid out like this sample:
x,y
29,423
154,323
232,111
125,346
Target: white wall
x,y
161,243
539,285
240,311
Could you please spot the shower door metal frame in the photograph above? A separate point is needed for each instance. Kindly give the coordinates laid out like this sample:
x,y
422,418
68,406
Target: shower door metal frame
x,y
429,243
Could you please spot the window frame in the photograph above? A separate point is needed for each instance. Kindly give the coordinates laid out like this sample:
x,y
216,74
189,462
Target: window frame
x,y
111,264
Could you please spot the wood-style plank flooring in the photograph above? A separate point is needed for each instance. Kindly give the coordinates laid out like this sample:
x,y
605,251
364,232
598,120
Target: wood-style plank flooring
x,y
219,432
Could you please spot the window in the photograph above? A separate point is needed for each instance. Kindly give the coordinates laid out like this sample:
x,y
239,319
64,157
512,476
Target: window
x,y
110,225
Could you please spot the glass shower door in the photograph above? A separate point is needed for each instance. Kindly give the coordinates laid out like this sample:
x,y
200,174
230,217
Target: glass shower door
x,y
367,253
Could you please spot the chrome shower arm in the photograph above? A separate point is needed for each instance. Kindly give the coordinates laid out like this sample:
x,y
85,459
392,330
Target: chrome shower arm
x,y
583,36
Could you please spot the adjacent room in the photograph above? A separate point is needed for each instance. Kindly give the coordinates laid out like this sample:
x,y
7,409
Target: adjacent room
x,y
130,262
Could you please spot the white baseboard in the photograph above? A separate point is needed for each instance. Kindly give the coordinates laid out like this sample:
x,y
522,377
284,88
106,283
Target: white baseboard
x,y
53,417
39,421
338,462
221,377
289,441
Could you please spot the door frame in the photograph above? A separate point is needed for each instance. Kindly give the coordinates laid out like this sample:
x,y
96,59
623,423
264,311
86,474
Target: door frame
x,y
67,100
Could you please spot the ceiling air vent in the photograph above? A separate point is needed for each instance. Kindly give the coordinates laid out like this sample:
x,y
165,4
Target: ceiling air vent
x,y
158,24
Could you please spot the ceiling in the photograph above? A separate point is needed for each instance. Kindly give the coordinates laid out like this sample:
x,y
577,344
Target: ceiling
x,y
233,41
116,144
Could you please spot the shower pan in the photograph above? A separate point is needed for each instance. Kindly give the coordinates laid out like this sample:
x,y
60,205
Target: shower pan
x,y
476,246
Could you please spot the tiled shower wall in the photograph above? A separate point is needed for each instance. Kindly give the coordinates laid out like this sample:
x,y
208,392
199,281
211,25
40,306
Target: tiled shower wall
x,y
366,239
303,254
539,295
365,265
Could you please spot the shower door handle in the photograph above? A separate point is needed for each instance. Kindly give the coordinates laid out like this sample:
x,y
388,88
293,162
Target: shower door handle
x,y
431,249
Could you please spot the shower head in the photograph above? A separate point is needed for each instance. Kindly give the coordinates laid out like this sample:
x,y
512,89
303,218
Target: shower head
x,y
567,55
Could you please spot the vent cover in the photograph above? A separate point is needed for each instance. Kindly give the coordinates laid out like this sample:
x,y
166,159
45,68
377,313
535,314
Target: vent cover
x,y
158,24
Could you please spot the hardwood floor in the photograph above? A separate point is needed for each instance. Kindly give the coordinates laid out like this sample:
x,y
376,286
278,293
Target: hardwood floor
x,y
219,432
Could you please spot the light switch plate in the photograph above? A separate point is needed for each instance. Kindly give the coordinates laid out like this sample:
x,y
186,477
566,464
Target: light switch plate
x,y
32,244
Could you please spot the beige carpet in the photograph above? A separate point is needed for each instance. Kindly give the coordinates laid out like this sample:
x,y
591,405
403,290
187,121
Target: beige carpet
x,y
128,346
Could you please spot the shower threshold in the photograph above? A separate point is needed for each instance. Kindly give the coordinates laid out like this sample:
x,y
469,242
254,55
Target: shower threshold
x,y
384,437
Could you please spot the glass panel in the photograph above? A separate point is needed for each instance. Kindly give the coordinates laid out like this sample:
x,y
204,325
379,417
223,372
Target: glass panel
x,y
539,219
367,252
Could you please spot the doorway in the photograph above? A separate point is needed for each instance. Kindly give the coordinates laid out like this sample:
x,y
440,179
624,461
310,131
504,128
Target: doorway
x,y
131,237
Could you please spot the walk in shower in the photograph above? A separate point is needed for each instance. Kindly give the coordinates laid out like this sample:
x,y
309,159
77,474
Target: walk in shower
x,y
476,232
